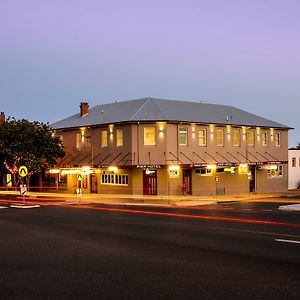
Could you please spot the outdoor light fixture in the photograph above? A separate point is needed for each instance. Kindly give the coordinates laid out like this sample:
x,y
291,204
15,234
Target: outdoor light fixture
x,y
174,168
112,168
211,167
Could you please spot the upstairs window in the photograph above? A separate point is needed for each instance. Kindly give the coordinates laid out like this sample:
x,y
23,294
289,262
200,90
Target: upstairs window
x,y
294,162
264,139
104,138
277,139
119,137
202,137
220,137
183,141
250,138
87,141
236,138
78,140
149,136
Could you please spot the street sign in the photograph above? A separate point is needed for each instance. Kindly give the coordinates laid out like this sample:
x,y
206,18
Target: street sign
x,y
79,177
23,171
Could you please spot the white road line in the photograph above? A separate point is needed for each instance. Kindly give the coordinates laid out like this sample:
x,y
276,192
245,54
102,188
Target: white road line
x,y
287,241
3,207
267,210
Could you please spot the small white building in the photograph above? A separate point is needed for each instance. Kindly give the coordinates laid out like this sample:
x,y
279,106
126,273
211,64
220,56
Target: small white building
x,y
294,168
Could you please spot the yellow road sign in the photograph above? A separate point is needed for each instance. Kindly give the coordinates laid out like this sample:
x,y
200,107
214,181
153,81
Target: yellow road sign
x,y
79,177
23,171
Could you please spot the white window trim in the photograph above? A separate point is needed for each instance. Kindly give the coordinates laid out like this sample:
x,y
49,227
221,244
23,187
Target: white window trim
x,y
205,137
186,130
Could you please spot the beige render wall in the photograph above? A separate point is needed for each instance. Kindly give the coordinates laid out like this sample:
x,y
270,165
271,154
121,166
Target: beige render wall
x,y
273,184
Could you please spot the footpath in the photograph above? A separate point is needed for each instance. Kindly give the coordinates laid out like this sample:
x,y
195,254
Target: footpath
x,y
187,200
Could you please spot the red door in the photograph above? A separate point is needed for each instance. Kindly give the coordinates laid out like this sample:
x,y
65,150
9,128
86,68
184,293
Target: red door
x,y
149,182
187,182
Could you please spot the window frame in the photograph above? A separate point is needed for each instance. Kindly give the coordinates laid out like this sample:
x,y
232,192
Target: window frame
x,y
252,132
218,138
103,138
181,134
238,144
204,137
118,136
153,142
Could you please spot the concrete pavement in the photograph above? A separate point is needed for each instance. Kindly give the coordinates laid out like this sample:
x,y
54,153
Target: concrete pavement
x,y
289,197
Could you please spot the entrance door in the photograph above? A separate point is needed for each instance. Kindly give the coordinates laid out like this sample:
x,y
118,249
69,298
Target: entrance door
x,y
187,182
252,176
93,183
150,182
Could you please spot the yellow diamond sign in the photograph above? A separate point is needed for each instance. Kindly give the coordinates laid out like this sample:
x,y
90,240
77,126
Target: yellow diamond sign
x,y
23,171
79,177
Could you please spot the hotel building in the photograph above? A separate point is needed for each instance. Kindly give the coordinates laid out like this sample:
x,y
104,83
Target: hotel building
x,y
165,147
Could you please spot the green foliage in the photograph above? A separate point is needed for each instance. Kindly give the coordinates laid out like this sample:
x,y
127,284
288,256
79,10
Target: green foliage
x,y
298,146
28,143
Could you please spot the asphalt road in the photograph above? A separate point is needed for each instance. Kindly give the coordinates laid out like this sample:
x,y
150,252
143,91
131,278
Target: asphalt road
x,y
229,251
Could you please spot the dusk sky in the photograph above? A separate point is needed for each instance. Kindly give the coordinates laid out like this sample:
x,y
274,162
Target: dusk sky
x,y
55,54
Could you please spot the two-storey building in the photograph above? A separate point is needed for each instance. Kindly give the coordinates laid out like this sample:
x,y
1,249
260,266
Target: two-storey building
x,y
165,147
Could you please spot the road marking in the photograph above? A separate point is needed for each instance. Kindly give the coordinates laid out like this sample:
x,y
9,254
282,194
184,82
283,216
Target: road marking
x,y
3,207
287,241
267,210
24,206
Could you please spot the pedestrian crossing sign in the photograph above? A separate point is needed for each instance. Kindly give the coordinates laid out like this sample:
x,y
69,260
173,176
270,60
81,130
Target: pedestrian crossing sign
x,y
79,177
23,171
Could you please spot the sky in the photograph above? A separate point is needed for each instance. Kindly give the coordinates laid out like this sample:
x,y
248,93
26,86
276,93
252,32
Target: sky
x,y
55,54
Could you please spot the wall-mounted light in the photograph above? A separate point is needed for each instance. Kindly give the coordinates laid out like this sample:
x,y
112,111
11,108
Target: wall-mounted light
x,y
211,167
174,168
272,133
211,129
112,168
228,127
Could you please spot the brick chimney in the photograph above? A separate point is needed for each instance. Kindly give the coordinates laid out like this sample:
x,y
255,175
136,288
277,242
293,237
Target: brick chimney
x,y
84,109
2,117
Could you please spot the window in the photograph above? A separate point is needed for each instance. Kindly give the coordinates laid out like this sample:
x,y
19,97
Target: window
x,y
104,138
202,137
220,137
264,139
87,141
149,136
78,140
183,136
236,138
250,138
203,171
114,179
293,162
277,139
119,137
276,172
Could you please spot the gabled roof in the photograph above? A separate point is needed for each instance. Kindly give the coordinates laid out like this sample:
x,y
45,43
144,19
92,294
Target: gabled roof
x,y
153,110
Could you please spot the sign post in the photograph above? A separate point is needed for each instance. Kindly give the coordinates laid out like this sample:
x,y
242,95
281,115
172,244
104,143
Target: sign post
x,y
79,177
23,171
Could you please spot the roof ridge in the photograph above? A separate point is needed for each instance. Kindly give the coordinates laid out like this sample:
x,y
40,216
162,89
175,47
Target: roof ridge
x,y
159,108
147,99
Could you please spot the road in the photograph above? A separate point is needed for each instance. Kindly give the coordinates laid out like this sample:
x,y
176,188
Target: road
x,y
228,251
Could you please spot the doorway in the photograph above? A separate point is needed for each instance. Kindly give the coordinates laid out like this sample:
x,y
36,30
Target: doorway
x,y
150,182
251,176
94,185
187,182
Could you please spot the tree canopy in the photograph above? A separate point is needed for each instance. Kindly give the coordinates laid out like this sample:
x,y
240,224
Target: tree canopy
x,y
31,144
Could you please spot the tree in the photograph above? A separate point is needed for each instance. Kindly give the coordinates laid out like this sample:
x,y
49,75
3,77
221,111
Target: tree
x,y
298,146
32,144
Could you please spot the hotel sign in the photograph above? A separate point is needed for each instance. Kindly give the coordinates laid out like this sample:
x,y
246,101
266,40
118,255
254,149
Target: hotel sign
x,y
148,166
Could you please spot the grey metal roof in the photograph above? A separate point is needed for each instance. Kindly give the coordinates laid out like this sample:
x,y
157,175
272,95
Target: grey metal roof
x,y
152,109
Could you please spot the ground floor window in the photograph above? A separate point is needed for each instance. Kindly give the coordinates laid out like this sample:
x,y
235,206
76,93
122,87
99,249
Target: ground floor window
x,y
276,172
114,179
